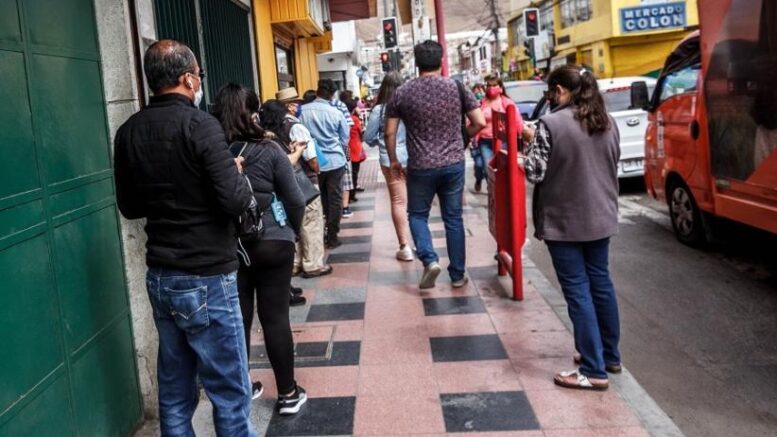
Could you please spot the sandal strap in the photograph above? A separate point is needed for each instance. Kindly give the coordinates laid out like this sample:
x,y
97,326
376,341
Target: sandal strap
x,y
582,380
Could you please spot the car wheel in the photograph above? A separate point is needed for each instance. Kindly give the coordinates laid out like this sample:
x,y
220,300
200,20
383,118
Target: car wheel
x,y
685,215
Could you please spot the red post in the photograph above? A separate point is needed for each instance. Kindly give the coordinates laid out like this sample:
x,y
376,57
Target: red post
x,y
517,185
439,16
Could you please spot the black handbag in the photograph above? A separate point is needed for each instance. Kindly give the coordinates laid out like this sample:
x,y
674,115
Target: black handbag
x,y
309,190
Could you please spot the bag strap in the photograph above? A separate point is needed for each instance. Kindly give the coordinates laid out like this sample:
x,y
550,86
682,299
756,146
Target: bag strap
x,y
462,102
382,125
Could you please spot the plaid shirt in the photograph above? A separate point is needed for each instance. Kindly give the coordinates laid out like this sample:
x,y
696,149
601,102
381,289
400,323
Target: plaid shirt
x,y
537,155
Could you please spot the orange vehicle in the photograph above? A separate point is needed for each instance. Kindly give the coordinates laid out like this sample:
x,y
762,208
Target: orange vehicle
x,y
712,123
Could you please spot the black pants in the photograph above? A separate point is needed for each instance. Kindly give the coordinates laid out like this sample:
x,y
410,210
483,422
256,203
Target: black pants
x,y
268,281
331,185
355,166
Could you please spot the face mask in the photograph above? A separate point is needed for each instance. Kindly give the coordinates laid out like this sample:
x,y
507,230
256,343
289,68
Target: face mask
x,y
479,95
298,112
198,97
493,92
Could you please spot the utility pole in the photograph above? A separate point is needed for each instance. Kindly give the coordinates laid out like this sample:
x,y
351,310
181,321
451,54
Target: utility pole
x,y
497,57
439,16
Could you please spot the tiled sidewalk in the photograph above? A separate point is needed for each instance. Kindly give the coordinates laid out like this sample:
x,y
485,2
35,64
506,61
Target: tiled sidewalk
x,y
379,357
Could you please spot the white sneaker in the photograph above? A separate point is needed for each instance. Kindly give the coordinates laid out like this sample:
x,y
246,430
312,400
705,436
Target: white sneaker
x,y
431,272
461,282
405,253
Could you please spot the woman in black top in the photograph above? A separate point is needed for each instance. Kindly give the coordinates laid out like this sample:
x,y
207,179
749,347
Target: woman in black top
x,y
266,273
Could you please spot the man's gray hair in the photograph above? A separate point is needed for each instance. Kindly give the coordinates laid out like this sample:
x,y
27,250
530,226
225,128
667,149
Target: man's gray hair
x,y
165,61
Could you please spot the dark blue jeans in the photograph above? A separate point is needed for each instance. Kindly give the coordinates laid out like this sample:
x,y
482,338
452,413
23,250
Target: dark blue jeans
x,y
448,184
482,156
200,335
583,272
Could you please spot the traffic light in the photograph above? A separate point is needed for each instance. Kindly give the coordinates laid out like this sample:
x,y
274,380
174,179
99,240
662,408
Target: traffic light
x,y
390,39
385,60
528,48
531,17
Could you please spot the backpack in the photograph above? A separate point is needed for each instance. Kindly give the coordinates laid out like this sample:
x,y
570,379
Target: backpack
x,y
249,225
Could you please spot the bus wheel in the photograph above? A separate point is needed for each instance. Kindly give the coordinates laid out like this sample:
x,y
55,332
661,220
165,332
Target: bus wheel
x,y
685,214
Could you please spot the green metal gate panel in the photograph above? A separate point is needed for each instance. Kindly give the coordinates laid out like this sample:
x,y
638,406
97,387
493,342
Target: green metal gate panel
x,y
227,40
225,36
67,365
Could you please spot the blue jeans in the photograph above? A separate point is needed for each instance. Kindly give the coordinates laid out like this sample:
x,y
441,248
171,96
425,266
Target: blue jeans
x,y
200,335
583,272
448,184
482,156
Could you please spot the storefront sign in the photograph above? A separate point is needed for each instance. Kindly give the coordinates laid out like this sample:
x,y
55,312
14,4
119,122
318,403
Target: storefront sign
x,y
653,17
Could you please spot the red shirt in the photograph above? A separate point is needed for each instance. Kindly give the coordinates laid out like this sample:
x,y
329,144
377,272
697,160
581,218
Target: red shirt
x,y
355,143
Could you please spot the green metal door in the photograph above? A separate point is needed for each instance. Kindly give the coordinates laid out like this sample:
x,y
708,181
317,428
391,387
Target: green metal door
x,y
225,37
67,364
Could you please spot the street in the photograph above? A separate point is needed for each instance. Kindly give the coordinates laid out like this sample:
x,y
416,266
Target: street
x,y
698,326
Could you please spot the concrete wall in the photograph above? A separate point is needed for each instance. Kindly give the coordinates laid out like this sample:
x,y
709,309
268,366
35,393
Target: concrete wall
x,y
122,100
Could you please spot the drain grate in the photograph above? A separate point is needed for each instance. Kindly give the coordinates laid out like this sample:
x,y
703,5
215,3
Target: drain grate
x,y
311,344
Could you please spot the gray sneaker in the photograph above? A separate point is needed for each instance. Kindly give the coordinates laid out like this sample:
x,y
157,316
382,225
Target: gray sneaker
x,y
461,282
431,272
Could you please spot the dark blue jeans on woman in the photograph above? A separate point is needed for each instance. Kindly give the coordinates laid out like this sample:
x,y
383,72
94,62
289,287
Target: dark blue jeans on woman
x,y
200,336
448,184
482,156
583,272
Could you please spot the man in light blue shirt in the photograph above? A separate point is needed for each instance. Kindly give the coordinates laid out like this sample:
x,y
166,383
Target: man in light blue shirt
x,y
330,130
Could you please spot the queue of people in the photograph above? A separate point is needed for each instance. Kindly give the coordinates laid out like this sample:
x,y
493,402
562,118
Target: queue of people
x,y
238,202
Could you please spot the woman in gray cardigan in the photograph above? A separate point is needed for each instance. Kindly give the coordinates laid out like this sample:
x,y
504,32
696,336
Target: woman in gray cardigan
x,y
572,159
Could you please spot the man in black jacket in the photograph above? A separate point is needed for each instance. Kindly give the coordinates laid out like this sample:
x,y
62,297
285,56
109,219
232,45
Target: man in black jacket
x,y
173,169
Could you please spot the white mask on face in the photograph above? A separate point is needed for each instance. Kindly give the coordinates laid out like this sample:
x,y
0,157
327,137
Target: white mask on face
x,y
198,97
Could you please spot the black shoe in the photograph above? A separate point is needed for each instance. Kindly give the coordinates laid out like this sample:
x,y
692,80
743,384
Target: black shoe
x,y
359,189
288,405
333,243
256,390
296,300
296,290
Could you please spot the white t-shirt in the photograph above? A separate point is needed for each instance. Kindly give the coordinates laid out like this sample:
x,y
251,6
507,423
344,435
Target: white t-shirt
x,y
300,133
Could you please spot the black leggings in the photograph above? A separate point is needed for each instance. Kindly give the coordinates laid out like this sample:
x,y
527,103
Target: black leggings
x,y
355,166
269,279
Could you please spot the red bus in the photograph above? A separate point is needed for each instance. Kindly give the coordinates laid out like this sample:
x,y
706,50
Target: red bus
x,y
712,123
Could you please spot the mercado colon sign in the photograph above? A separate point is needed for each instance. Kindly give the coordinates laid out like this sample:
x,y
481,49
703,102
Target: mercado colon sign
x,y
653,17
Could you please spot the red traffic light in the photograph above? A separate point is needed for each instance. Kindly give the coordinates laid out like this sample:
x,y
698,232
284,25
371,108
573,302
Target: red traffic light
x,y
384,57
531,16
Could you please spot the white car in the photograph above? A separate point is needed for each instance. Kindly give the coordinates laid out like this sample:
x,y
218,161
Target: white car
x,y
632,122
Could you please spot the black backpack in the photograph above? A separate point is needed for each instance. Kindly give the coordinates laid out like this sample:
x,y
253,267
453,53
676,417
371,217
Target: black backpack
x,y
249,222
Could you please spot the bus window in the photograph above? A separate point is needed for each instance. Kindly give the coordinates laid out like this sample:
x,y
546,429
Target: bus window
x,y
741,91
679,82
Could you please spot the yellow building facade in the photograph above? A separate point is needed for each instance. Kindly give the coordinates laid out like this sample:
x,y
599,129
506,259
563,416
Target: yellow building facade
x,y
289,34
620,37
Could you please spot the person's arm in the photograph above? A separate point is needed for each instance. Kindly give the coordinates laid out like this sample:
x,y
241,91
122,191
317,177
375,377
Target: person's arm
x,y
129,200
537,154
344,131
301,133
288,191
392,125
232,192
373,127
477,121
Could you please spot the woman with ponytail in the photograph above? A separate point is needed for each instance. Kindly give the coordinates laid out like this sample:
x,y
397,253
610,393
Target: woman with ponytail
x,y
572,159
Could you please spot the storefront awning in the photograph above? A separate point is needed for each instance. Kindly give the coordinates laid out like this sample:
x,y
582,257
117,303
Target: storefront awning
x,y
347,10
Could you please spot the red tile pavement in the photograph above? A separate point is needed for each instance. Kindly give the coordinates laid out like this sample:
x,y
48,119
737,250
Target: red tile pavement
x,y
396,383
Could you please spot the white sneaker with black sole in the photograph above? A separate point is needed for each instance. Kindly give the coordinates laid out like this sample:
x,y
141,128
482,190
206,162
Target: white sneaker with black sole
x,y
288,405
431,272
256,390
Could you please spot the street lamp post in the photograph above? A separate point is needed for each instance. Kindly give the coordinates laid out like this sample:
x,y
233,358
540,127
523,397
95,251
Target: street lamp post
x,y
439,17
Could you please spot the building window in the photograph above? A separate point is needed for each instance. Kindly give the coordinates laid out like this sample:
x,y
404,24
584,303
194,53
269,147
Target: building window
x,y
567,13
584,9
284,61
546,17
516,33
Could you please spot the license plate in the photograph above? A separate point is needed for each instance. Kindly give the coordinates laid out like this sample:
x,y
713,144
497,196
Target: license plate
x,y
632,165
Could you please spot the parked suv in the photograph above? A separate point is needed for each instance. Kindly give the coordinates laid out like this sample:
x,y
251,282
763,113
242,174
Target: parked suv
x,y
631,122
